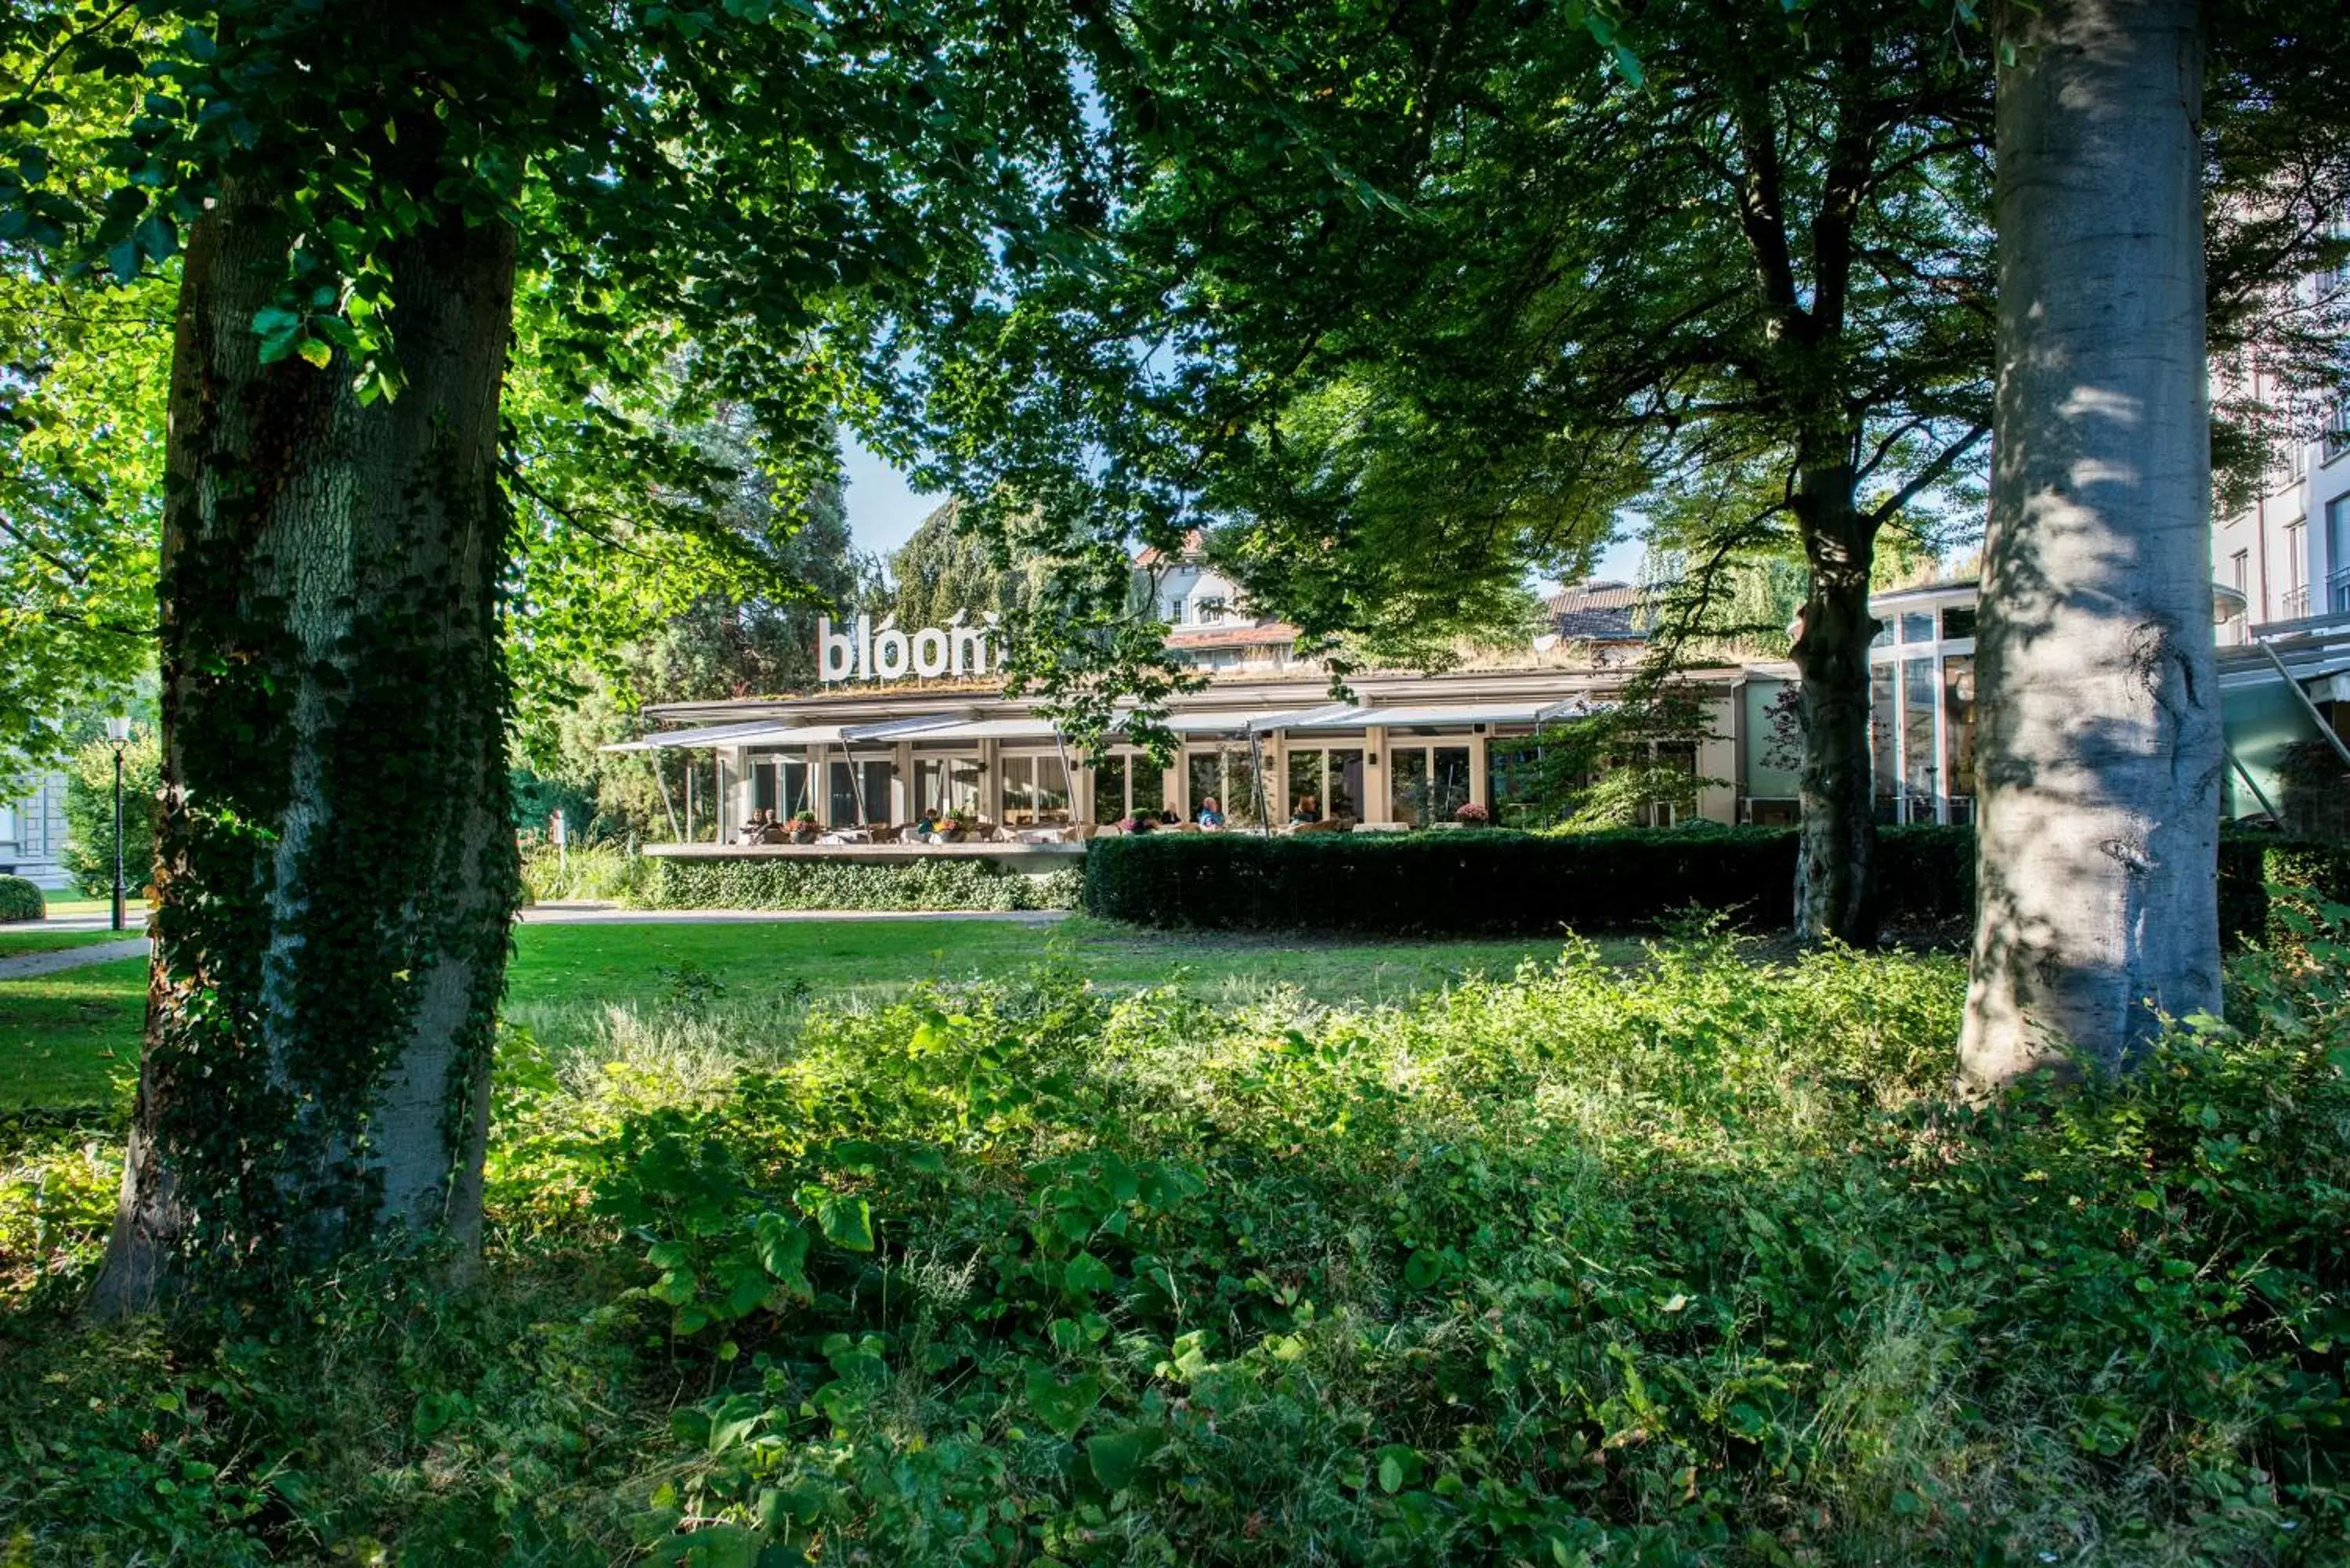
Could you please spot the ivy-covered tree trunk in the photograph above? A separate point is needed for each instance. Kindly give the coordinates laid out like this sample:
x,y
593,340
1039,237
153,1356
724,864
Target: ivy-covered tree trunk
x,y
335,865
2099,753
1835,880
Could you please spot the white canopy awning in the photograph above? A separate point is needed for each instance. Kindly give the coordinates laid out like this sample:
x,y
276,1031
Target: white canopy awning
x,y
1523,710
769,732
706,735
1029,728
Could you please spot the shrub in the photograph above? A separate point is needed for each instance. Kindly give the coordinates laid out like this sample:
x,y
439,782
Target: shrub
x,y
20,900
910,884
1492,883
1519,884
605,871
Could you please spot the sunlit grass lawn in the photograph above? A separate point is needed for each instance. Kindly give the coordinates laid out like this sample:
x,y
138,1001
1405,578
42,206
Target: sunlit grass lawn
x,y
16,944
66,1038
639,962
56,1031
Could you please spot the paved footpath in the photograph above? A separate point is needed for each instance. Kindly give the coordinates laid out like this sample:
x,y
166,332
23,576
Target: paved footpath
x,y
25,966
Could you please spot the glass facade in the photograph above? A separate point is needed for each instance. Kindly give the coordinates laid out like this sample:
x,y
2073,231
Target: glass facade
x,y
1127,785
1407,800
859,793
1325,785
1922,718
1959,732
946,784
1227,773
779,788
1919,771
1885,739
1035,791
1426,785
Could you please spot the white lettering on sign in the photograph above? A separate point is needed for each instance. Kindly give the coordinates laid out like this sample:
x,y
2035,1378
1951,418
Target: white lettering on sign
x,y
867,652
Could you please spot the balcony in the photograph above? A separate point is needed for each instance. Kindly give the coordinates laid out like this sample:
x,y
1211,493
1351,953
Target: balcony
x,y
2296,603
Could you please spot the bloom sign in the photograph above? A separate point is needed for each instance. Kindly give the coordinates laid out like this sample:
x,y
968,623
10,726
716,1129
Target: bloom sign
x,y
865,653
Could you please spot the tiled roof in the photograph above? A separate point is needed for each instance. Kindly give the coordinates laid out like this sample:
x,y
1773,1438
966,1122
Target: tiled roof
x,y
1232,636
1150,555
1593,597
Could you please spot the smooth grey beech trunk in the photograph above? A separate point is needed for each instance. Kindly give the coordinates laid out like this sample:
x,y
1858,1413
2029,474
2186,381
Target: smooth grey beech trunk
x,y
333,862
2099,749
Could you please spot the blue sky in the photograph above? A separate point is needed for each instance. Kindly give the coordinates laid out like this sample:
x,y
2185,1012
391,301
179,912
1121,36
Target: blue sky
x,y
882,512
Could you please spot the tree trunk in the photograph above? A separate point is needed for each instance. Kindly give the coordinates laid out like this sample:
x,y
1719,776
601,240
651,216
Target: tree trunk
x,y
334,864
1835,882
2100,742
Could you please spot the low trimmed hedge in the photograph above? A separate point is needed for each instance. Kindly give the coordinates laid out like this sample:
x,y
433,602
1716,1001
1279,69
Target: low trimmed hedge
x,y
21,901
1496,884
911,885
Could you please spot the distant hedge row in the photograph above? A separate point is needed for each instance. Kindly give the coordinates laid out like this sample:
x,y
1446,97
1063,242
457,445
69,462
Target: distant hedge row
x,y
941,884
1495,883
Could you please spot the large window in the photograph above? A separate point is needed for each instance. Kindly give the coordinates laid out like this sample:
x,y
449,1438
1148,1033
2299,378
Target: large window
x,y
1681,756
1426,785
1408,785
1885,742
1326,783
1228,775
1127,784
779,787
1513,772
1918,701
859,793
1035,791
946,784
1958,728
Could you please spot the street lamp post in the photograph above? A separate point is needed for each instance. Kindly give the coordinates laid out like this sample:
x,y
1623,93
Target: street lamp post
x,y
118,735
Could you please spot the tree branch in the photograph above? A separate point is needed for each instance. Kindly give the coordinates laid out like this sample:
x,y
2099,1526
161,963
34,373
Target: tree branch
x,y
1927,476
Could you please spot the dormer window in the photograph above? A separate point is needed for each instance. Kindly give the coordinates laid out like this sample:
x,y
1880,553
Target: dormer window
x,y
1175,610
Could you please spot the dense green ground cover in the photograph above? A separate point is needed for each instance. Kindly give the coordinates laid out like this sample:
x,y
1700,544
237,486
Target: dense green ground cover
x,y
1683,1262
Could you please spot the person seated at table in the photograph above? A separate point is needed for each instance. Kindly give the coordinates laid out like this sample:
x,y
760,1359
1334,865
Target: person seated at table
x,y
1304,810
926,823
1211,815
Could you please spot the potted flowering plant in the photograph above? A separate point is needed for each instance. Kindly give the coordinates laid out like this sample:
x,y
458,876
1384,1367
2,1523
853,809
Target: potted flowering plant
x,y
804,826
1473,816
959,822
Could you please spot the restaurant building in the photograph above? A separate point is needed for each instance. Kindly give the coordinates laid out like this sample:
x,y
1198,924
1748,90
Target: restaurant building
x,y
877,748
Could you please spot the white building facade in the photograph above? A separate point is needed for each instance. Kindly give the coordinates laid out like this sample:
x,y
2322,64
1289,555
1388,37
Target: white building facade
x,y
33,831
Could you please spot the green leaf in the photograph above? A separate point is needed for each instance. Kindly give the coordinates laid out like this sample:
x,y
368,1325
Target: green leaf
x,y
782,1248
1398,1463
1062,1406
1116,1457
847,1223
1088,1275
